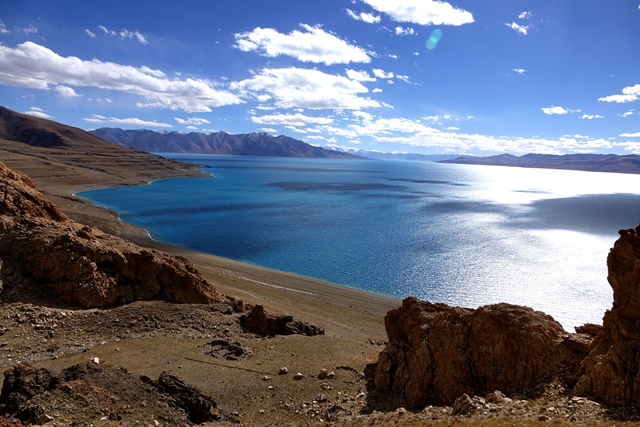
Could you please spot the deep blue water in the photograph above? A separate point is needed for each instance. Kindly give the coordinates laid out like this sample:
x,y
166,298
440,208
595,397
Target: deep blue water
x,y
458,234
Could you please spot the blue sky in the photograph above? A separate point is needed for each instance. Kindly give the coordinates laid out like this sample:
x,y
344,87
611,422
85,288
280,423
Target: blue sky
x,y
497,75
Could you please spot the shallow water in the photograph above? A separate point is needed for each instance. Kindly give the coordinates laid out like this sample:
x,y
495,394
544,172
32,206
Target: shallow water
x,y
459,234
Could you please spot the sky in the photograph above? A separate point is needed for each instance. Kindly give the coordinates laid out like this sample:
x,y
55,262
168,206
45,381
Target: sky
x,y
419,76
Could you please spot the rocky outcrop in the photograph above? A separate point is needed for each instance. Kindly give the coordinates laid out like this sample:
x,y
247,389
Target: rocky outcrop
x,y
262,322
437,353
611,372
100,390
40,248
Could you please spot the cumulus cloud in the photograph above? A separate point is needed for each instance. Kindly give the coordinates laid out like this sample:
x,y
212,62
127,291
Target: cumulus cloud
x,y
3,28
297,119
422,12
96,118
124,34
192,121
629,94
66,92
376,90
401,31
90,33
630,135
591,116
554,110
522,29
382,74
313,89
525,15
311,45
628,113
520,70
361,76
419,134
363,16
38,112
33,66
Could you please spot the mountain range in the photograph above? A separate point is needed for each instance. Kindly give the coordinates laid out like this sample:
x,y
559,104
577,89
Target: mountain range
x,y
584,162
248,144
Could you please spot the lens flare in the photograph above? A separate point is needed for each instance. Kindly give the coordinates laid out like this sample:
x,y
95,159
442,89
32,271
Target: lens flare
x,y
434,38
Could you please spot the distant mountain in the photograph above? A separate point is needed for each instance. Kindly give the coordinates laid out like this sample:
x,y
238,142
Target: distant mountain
x,y
584,162
249,144
376,155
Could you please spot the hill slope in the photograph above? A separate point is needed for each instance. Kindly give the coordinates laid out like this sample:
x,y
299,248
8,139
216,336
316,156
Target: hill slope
x,y
248,144
57,154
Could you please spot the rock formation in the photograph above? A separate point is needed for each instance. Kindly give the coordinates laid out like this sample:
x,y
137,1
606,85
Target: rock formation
x,y
260,321
437,353
611,372
40,248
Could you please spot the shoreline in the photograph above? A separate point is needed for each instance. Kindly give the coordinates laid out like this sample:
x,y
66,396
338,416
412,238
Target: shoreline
x,y
324,303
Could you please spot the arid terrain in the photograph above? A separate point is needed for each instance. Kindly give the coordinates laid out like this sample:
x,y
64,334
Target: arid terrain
x,y
164,363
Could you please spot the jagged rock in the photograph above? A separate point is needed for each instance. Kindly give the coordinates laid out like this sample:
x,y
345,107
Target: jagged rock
x,y
437,353
589,329
19,200
465,405
260,321
611,372
21,383
200,407
83,266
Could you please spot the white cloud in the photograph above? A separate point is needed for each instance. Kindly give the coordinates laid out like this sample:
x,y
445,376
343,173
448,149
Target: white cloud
x,y
96,118
192,128
525,15
628,113
629,94
554,110
312,45
29,30
3,28
315,137
297,119
38,112
268,130
66,92
90,33
591,116
401,31
382,74
392,56
361,76
124,34
522,29
363,16
422,12
33,66
313,89
520,70
630,135
376,90
404,78
192,121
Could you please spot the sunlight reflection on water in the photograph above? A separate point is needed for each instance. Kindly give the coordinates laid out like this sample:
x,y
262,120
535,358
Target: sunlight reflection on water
x,y
459,234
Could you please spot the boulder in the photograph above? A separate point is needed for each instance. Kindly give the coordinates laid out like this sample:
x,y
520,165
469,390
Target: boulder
x,y
437,353
611,372
260,321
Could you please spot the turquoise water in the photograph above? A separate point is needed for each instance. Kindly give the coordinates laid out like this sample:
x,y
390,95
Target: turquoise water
x,y
458,234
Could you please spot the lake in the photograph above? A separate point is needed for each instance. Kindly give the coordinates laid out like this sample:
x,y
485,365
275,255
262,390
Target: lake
x,y
458,234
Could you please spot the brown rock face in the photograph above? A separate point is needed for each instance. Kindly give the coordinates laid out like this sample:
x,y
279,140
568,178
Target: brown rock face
x,y
611,372
437,353
41,248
